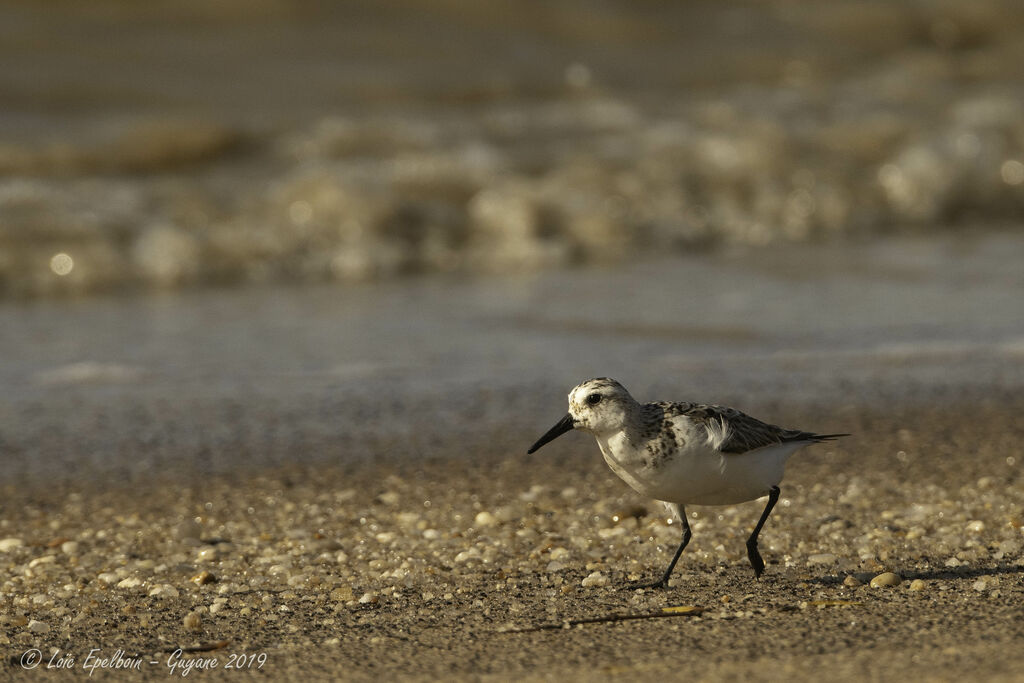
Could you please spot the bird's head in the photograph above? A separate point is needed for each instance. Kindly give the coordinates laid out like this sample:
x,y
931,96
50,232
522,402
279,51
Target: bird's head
x,y
597,406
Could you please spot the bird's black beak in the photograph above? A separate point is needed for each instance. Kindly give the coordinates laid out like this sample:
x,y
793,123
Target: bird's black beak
x,y
564,425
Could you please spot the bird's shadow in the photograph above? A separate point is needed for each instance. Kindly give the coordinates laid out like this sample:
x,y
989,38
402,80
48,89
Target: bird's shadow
x,y
944,573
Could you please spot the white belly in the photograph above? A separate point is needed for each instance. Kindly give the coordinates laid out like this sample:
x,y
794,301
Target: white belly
x,y
702,476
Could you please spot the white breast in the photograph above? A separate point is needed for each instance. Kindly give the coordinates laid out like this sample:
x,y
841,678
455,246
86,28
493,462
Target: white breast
x,y
697,473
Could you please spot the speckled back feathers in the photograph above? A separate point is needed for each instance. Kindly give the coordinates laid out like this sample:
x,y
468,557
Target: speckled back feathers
x,y
728,430
731,430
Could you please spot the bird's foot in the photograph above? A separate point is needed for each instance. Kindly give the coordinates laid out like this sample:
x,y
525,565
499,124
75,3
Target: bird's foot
x,y
755,561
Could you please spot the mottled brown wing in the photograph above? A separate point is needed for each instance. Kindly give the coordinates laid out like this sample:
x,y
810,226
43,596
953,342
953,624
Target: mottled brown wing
x,y
744,433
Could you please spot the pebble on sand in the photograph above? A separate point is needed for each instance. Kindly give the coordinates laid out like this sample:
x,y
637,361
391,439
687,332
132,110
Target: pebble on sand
x,y
9,544
852,581
203,578
484,519
208,555
466,555
595,579
886,579
918,585
163,591
342,594
38,626
193,621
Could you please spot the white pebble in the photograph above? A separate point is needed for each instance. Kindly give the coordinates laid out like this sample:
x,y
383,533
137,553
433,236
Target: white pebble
x,y
9,544
193,621
208,555
535,492
484,518
69,547
389,498
975,526
38,626
595,579
885,580
108,577
467,555
130,582
408,518
918,585
367,598
979,585
163,591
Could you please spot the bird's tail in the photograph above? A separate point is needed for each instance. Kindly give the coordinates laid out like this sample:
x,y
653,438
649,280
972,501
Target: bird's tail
x,y
825,437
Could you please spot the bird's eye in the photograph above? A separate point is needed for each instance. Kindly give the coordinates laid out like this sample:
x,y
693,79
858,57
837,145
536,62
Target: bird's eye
x,y
594,399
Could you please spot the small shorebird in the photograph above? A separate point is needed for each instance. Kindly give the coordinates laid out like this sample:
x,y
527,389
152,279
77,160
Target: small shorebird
x,y
683,453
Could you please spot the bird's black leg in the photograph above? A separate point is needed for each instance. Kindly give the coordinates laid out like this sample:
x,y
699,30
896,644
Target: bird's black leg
x,y
755,557
663,581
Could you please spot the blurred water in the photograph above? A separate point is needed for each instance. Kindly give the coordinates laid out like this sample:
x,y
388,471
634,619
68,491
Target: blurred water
x,y
169,144
238,379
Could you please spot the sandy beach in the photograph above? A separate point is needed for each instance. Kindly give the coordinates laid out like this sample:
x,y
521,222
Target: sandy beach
x,y
288,288
479,567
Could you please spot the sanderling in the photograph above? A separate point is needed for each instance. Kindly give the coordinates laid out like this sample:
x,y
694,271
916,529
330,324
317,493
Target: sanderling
x,y
683,453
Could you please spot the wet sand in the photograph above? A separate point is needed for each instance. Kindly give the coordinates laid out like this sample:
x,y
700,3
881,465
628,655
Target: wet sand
x,y
457,565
